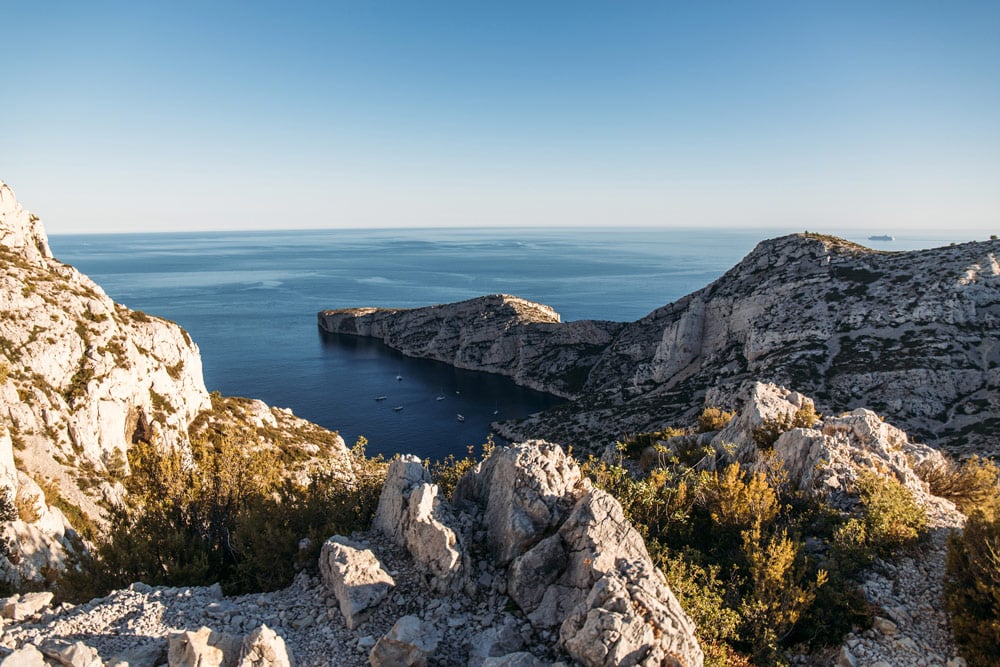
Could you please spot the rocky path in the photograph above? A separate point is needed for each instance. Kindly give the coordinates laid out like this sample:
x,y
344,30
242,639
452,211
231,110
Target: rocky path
x,y
911,627
132,626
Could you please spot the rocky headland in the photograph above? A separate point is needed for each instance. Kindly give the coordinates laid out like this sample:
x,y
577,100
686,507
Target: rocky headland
x,y
909,334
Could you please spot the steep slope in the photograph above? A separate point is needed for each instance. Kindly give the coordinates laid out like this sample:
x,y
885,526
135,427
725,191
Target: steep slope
x,y
499,334
81,379
913,334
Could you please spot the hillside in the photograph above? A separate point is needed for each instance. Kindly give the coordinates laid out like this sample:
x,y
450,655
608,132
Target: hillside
x,y
912,334
82,379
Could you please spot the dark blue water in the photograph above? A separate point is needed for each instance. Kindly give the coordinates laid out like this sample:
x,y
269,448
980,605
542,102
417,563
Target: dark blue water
x,y
250,300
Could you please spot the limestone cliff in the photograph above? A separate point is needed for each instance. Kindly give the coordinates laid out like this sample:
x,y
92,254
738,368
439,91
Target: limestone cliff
x,y
912,334
498,334
81,379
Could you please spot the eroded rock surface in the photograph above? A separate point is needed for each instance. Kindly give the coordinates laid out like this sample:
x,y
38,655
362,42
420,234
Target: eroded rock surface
x,y
912,334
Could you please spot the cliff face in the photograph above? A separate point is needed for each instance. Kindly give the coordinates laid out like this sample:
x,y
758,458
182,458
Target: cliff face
x,y
81,379
498,334
912,334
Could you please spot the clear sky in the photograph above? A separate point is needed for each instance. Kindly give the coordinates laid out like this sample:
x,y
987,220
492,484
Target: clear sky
x,y
155,116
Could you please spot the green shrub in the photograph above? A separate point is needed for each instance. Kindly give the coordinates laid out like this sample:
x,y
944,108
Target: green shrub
x,y
8,508
447,472
972,585
714,419
221,513
969,486
889,518
633,445
765,435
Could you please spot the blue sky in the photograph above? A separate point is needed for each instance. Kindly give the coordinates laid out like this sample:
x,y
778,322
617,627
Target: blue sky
x,y
819,115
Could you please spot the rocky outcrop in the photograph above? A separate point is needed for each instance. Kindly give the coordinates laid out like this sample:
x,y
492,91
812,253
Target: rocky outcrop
x,y
911,334
82,379
412,515
499,334
567,556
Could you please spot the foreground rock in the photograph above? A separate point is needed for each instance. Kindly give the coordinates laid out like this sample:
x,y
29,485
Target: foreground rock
x,y
576,565
911,627
355,576
903,333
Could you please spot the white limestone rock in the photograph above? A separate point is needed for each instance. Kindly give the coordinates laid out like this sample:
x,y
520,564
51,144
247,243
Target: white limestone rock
x,y
410,643
355,576
411,515
527,490
18,608
203,648
264,648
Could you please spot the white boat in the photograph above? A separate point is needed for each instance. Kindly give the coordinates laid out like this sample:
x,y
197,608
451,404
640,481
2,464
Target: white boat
x,y
380,398
460,418
881,237
399,378
398,408
439,398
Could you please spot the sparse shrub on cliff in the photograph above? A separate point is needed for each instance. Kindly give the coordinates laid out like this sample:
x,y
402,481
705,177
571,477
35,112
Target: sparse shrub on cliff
x,y
765,435
728,544
8,508
221,512
447,472
631,447
714,419
970,485
889,518
972,585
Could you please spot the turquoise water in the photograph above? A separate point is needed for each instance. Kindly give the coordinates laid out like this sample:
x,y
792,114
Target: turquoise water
x,y
249,300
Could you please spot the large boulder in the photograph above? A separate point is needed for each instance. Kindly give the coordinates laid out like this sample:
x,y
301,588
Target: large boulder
x,y
412,515
828,459
264,648
203,648
527,490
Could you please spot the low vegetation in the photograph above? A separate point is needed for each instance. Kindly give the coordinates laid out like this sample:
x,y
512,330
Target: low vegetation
x,y
972,580
732,544
222,512
765,435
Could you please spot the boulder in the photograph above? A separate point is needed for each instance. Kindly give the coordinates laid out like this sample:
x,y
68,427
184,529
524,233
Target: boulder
x,y
264,648
411,515
500,640
355,576
630,617
76,654
203,648
151,654
828,459
26,656
527,491
410,643
27,605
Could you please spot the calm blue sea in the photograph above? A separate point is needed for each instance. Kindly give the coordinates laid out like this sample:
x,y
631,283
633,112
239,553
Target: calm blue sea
x,y
249,300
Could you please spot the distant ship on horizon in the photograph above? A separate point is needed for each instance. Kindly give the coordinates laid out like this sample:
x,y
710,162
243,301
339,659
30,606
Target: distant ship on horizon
x,y
881,237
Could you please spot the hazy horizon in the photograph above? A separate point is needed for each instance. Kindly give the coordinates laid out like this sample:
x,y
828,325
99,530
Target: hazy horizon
x,y
775,116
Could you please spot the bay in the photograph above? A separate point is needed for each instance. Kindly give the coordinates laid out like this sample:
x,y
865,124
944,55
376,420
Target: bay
x,y
249,300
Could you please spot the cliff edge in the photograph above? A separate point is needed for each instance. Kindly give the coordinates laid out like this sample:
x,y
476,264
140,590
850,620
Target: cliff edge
x,y
913,334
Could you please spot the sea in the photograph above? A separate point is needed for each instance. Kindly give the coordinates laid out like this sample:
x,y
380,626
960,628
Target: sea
x,y
249,301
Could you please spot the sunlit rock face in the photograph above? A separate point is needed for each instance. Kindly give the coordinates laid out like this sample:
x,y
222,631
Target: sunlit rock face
x,y
910,334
